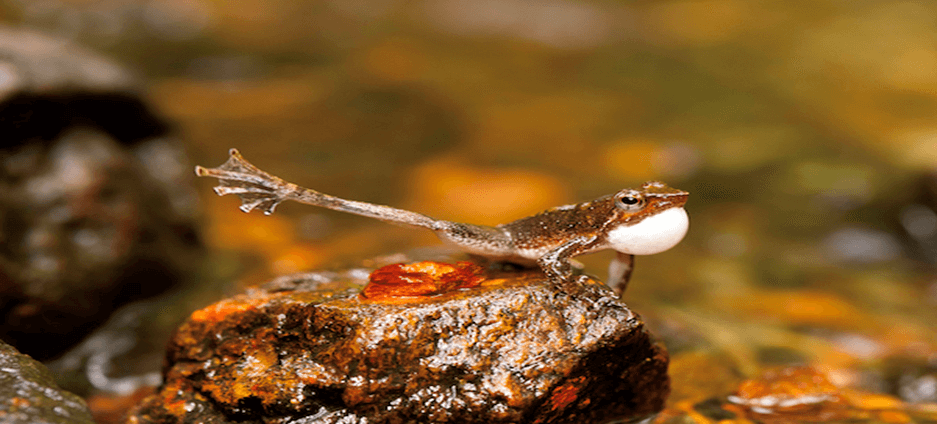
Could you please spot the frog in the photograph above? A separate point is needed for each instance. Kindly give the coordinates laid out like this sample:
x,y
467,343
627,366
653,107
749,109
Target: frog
x,y
633,221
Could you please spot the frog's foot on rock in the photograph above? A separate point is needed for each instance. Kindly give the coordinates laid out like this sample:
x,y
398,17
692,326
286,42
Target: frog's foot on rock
x,y
256,188
573,285
578,284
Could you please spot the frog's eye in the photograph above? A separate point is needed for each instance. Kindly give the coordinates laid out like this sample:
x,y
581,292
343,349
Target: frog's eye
x,y
630,202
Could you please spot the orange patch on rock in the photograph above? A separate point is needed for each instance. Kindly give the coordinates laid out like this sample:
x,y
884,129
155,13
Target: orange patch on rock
x,y
564,395
174,403
222,309
421,279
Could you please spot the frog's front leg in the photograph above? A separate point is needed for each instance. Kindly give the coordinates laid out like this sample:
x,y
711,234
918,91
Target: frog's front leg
x,y
619,272
555,264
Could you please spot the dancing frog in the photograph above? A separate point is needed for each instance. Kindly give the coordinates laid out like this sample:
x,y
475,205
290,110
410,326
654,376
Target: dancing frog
x,y
641,221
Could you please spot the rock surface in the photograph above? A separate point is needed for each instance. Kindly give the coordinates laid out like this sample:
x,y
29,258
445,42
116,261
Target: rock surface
x,y
481,347
97,205
29,395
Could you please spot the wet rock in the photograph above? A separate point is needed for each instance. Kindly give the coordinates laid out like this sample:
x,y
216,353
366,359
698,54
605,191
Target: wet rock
x,y
806,394
467,345
122,356
96,202
28,393
792,393
913,380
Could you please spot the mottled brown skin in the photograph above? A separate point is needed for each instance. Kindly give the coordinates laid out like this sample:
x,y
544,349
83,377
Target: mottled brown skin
x,y
564,232
549,239
555,226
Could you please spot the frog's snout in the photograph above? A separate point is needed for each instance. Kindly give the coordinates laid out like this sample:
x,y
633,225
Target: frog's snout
x,y
651,235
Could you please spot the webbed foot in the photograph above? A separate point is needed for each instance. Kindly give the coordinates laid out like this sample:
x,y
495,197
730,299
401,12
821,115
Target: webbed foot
x,y
257,189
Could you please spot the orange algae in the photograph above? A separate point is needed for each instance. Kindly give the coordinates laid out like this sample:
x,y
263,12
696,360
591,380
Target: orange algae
x,y
421,279
224,308
565,395
220,310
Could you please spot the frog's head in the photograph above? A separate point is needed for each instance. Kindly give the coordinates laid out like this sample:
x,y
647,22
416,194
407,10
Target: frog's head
x,y
650,219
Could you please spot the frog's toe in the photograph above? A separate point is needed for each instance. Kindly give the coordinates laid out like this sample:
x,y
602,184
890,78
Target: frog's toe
x,y
572,285
222,190
256,188
235,179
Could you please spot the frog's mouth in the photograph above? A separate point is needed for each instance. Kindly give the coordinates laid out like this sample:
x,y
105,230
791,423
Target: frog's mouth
x,y
651,235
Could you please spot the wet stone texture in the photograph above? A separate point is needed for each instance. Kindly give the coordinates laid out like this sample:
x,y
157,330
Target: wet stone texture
x,y
97,205
806,394
465,346
29,395
791,394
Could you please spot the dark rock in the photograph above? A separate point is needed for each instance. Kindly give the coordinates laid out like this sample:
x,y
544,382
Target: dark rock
x,y
913,213
912,379
97,205
28,393
312,349
122,356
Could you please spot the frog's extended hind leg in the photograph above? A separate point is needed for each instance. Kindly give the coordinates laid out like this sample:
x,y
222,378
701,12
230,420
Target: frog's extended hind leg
x,y
260,190
256,188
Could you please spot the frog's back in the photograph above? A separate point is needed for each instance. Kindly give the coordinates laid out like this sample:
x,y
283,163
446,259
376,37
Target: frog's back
x,y
535,235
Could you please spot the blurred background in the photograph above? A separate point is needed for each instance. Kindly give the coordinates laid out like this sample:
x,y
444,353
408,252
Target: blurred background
x,y
805,131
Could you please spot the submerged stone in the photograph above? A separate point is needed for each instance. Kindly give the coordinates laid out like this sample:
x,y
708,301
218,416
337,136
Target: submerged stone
x,y
97,205
792,393
476,346
29,395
